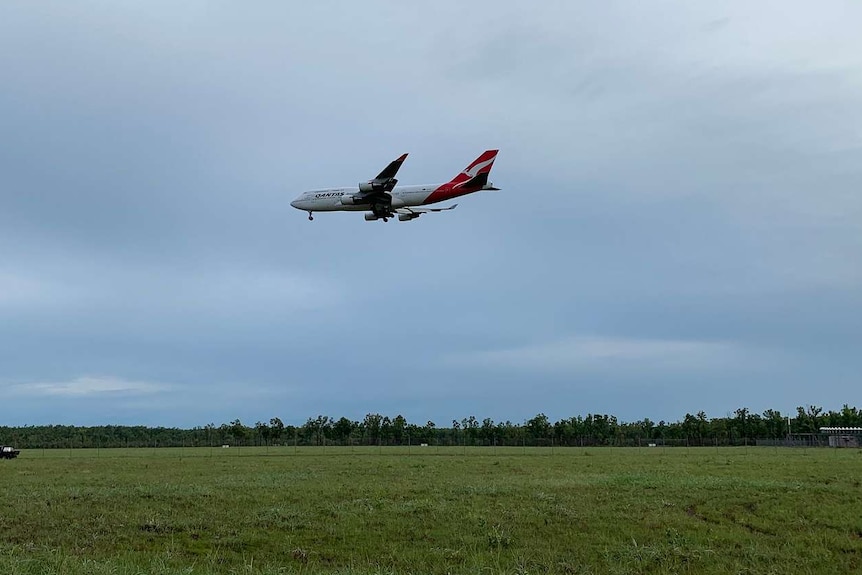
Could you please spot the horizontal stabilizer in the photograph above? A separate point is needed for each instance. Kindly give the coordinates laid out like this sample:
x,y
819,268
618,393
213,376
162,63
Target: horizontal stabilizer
x,y
423,210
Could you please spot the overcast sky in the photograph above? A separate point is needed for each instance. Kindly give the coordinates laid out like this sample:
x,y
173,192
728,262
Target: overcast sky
x,y
679,226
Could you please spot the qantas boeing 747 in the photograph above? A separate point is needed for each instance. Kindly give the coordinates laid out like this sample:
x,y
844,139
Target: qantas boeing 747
x,y
383,199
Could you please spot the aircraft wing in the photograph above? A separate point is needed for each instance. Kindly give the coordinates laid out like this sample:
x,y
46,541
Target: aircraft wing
x,y
392,169
385,180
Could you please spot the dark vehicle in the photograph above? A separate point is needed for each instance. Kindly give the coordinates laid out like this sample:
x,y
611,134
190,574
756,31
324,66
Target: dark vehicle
x,y
7,452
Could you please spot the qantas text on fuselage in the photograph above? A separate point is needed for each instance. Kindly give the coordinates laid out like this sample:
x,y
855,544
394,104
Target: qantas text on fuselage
x,y
383,199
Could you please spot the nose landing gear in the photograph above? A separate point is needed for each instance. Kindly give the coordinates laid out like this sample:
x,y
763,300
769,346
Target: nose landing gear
x,y
310,217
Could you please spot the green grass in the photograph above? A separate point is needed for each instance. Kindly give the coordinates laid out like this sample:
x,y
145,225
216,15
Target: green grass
x,y
430,510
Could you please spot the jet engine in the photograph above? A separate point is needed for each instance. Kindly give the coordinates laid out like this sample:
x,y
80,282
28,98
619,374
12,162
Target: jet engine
x,y
348,200
377,185
407,217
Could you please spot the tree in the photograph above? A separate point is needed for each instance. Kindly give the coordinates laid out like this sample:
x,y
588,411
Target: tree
x,y
323,426
386,429
648,428
238,431
808,420
689,426
774,424
430,429
471,428
399,426
308,431
486,432
276,428
415,434
660,430
372,424
262,430
702,426
814,416
210,429
342,429
539,427
850,417
742,421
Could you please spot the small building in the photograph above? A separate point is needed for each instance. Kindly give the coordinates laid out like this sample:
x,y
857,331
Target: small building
x,y
843,436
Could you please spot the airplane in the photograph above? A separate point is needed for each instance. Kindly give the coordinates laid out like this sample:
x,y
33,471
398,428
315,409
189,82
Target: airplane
x,y
383,200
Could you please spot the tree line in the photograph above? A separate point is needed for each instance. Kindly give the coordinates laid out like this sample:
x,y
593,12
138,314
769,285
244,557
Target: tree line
x,y
740,427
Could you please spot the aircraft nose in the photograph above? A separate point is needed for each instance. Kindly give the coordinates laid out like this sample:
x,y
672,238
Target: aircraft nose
x,y
295,204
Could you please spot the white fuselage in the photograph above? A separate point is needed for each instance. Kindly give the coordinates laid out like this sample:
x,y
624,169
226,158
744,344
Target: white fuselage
x,y
331,199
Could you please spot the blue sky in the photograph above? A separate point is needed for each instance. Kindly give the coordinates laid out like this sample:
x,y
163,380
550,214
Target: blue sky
x,y
680,225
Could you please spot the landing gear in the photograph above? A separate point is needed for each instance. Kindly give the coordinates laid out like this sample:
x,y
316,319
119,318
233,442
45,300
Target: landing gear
x,y
310,217
383,211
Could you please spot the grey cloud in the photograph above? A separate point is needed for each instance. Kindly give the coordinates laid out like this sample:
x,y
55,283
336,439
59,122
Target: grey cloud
x,y
681,174
86,386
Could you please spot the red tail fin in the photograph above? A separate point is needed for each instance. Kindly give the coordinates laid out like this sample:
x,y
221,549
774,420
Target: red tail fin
x,y
472,179
477,170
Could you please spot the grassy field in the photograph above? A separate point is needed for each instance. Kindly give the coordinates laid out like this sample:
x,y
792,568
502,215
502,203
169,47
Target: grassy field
x,y
430,510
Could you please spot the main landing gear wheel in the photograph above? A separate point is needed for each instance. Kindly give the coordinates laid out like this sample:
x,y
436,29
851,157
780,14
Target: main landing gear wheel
x,y
310,217
385,219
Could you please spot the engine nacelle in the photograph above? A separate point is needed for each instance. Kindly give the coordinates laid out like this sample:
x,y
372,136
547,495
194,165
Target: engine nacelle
x,y
407,217
348,200
377,185
371,217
